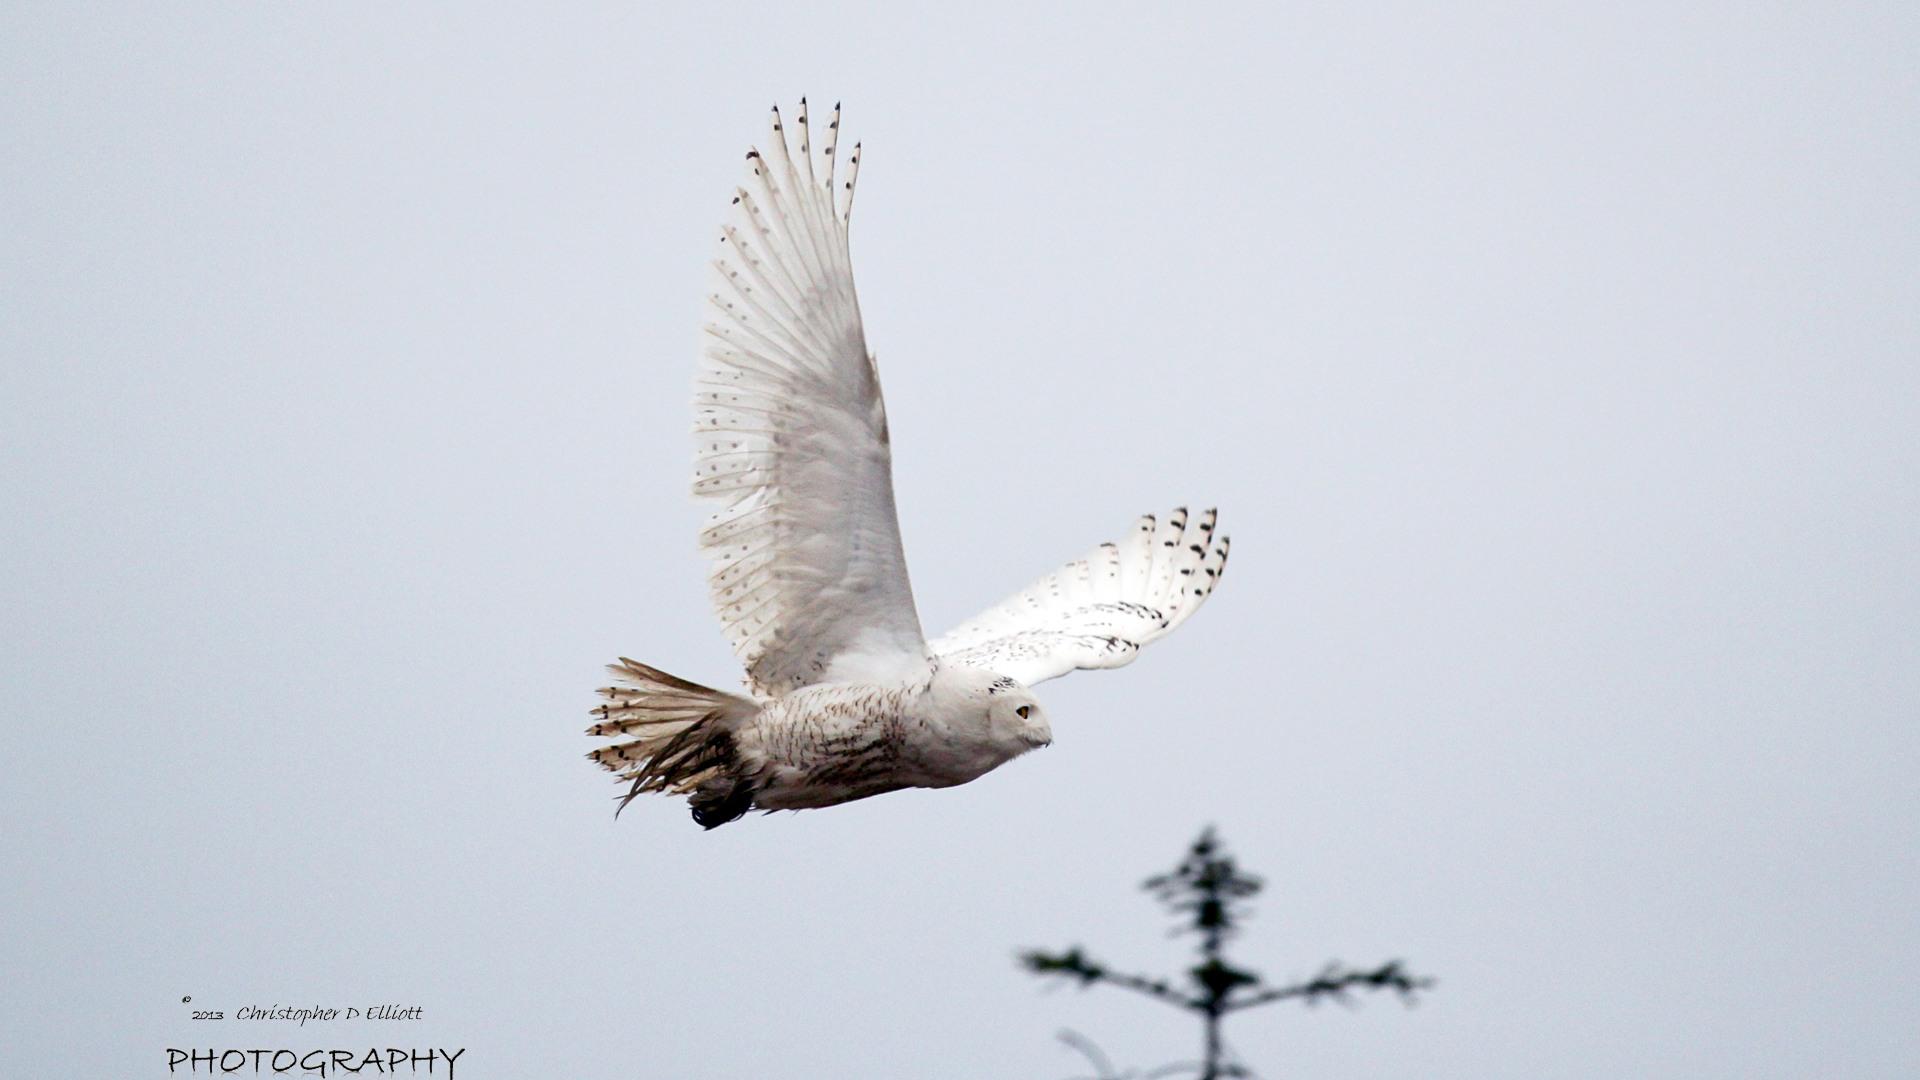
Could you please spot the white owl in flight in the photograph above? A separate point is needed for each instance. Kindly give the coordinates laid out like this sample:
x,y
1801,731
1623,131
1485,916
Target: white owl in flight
x,y
848,697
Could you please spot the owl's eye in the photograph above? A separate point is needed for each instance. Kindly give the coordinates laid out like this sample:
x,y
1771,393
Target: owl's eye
x,y
1023,711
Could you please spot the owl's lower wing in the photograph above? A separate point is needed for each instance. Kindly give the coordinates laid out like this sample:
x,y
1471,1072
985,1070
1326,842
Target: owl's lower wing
x,y
806,570
1097,611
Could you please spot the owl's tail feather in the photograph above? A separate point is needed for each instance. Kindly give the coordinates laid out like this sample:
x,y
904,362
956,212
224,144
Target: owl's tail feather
x,y
678,739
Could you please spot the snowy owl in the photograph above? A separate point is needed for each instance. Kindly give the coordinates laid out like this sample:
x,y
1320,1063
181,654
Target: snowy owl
x,y
845,696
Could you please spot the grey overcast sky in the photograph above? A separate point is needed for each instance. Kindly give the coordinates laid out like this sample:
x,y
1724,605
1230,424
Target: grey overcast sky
x,y
1554,369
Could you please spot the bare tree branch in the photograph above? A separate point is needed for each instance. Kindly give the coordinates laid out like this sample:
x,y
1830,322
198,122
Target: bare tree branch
x,y
1209,892
1074,965
1102,1065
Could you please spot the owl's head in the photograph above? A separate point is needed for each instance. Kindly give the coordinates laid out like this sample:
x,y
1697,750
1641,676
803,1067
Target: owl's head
x,y
991,717
1014,717
1014,711
986,720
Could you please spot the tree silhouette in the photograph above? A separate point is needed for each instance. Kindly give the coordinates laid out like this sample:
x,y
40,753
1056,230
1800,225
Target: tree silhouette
x,y
1209,893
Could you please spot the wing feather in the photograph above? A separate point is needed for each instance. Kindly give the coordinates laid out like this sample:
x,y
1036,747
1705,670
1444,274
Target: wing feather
x,y
792,451
1100,610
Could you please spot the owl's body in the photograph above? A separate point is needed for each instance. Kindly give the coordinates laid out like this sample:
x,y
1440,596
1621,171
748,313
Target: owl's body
x,y
848,698
818,746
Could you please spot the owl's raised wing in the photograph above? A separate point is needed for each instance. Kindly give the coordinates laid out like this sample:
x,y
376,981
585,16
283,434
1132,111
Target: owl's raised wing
x,y
806,569
1097,611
